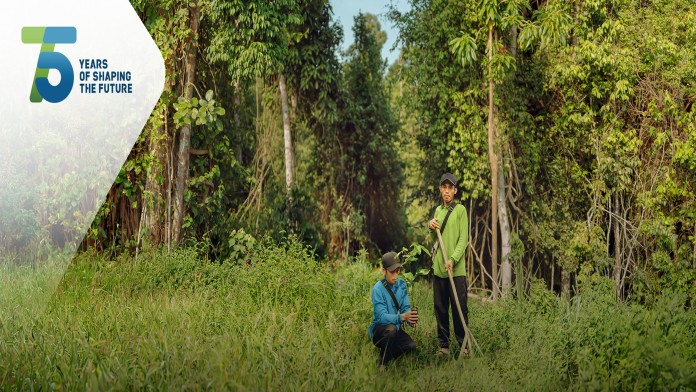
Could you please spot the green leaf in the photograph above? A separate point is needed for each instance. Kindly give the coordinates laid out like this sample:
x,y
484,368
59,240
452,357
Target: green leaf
x,y
423,272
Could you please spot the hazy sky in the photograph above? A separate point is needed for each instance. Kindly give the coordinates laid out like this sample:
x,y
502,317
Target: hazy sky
x,y
345,10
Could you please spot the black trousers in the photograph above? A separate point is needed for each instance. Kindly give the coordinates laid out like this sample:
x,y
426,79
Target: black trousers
x,y
391,343
443,296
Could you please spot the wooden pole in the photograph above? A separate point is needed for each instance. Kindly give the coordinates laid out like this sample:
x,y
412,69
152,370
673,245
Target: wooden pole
x,y
469,338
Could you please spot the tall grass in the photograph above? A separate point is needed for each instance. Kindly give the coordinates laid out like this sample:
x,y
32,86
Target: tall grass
x,y
27,284
283,321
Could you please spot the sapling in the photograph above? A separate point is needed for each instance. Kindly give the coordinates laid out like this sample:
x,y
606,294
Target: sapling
x,y
407,256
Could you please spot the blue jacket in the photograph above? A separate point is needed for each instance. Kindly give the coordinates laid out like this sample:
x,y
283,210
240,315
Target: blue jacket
x,y
385,311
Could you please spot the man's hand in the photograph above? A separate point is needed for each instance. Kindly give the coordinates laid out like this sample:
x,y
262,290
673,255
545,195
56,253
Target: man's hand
x,y
410,317
433,224
449,265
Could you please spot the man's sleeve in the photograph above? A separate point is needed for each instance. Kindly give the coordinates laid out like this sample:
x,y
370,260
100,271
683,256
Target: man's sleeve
x,y
404,301
427,223
382,317
463,228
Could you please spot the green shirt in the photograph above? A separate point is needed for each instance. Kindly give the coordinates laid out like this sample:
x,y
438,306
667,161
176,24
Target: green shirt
x,y
455,238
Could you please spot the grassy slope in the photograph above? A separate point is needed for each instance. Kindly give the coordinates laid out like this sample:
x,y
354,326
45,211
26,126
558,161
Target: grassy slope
x,y
285,322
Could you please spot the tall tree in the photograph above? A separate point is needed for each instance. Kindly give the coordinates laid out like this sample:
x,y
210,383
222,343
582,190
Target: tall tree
x,y
372,173
184,153
258,47
496,18
287,135
314,77
164,189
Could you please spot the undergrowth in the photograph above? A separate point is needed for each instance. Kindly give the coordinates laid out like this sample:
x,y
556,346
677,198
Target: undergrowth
x,y
281,320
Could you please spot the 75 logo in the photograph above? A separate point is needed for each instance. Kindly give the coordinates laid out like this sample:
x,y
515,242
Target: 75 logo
x,y
49,59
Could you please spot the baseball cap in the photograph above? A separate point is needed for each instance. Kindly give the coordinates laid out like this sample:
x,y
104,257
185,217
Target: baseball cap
x,y
448,177
390,261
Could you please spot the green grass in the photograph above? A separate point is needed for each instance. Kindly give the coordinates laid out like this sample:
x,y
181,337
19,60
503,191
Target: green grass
x,y
27,286
283,321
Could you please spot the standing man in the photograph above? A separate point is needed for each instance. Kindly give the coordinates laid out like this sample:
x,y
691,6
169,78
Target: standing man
x,y
451,218
391,309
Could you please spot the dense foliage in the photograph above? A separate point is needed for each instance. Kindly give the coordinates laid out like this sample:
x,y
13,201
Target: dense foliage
x,y
582,110
225,61
594,113
278,319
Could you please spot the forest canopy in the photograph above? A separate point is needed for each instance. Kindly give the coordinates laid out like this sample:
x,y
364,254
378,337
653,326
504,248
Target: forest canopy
x,y
569,124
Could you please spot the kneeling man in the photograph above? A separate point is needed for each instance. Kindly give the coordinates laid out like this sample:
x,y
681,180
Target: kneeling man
x,y
391,309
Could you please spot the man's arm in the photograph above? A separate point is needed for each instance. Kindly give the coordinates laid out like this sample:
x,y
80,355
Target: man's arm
x,y
409,314
433,223
381,313
404,301
463,229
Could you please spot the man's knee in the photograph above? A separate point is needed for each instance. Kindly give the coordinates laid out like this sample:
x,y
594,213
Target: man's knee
x,y
411,346
390,331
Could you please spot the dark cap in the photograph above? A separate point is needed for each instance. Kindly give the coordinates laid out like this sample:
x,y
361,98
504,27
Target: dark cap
x,y
390,261
448,177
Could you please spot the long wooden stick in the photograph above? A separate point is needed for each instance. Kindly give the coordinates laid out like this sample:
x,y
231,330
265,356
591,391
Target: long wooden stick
x,y
468,338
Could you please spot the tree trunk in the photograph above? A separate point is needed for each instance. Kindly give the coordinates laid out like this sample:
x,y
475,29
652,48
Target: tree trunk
x,y
289,156
157,183
154,190
506,273
470,246
617,252
565,283
238,125
503,218
493,160
182,160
